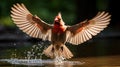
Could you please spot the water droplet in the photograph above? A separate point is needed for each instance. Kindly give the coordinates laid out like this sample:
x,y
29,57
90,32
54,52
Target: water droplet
x,y
32,50
34,46
14,44
26,36
39,54
29,52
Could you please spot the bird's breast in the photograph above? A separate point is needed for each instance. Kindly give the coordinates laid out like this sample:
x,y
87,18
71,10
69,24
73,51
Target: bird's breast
x,y
58,35
58,30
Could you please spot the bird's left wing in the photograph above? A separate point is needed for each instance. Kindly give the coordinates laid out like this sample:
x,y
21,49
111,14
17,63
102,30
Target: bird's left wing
x,y
31,25
84,31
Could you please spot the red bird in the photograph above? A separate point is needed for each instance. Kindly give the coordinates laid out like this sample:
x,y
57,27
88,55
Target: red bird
x,y
58,33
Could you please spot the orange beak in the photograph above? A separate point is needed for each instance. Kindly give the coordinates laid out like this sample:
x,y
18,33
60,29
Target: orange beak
x,y
56,18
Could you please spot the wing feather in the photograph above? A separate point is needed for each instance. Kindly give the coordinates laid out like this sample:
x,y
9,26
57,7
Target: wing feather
x,y
84,31
31,25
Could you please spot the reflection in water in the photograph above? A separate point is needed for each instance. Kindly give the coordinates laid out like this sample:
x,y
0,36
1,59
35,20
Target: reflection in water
x,y
40,62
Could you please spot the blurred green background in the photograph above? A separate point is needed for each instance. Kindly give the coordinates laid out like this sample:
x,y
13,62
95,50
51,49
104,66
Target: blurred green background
x,y
73,11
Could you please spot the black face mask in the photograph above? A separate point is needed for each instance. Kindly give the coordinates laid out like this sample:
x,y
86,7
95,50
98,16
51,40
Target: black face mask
x,y
57,22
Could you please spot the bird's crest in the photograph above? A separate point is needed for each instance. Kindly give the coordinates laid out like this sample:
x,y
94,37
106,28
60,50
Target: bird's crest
x,y
59,15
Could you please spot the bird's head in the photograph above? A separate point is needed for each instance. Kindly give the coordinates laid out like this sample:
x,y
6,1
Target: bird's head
x,y
58,20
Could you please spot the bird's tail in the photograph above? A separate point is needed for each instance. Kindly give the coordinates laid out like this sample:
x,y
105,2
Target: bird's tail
x,y
64,52
48,51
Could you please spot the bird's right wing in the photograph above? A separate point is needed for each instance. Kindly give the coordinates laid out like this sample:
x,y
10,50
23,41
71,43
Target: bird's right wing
x,y
31,25
84,31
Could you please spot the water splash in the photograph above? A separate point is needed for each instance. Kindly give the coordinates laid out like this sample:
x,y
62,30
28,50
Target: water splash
x,y
59,60
14,55
33,57
33,52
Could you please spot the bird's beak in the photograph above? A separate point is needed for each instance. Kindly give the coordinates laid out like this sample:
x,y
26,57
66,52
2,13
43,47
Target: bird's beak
x,y
56,19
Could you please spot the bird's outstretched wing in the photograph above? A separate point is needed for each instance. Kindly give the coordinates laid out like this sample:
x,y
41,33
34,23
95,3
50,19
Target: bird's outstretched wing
x,y
84,31
31,25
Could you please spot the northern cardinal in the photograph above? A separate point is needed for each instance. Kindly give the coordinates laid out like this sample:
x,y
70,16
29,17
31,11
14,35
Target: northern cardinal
x,y
58,33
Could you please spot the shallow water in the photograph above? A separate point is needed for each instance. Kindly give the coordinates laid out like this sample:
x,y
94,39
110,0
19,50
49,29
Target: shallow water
x,y
100,53
39,62
103,61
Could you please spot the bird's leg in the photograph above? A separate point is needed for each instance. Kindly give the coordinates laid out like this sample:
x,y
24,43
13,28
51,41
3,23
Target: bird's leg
x,y
52,49
56,51
61,48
